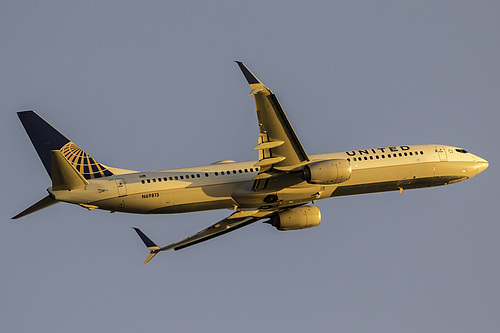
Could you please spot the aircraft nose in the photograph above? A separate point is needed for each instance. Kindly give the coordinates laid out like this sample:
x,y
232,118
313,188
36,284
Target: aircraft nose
x,y
481,165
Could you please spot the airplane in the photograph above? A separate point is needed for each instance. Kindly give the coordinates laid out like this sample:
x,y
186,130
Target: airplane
x,y
279,188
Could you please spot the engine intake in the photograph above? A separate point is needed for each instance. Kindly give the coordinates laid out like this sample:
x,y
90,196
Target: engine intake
x,y
327,172
297,218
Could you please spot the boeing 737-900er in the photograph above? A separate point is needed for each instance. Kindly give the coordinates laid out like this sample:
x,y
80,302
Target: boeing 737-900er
x,y
279,188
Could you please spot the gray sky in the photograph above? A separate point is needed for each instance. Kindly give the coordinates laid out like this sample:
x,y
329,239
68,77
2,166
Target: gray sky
x,y
151,85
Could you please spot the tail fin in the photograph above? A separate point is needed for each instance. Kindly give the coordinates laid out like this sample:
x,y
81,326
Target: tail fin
x,y
46,138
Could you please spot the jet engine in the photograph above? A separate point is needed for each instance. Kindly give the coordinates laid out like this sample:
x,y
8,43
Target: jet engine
x,y
327,172
302,217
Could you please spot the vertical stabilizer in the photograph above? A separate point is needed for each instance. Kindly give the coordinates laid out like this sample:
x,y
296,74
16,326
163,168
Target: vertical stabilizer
x,y
43,136
46,138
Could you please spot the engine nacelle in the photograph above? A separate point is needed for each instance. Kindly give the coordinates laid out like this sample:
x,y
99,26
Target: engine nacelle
x,y
297,218
327,172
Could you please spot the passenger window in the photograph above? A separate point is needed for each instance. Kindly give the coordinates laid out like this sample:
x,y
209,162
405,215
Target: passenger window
x,y
421,152
366,158
149,181
240,171
170,178
222,172
154,180
411,154
251,170
198,175
246,170
383,156
216,173
400,155
406,154
192,176
182,177
142,181
371,157
206,174
176,178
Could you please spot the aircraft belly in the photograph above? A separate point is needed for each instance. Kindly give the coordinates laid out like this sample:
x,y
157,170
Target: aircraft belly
x,y
193,207
197,199
171,201
399,178
297,194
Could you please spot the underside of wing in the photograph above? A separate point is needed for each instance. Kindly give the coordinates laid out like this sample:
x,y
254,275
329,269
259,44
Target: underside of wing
x,y
233,222
215,230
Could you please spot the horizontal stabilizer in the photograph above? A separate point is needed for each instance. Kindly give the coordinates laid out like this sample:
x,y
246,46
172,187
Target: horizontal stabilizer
x,y
64,174
44,203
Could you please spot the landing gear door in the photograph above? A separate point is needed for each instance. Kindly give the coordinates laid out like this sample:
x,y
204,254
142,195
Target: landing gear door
x,y
121,187
441,153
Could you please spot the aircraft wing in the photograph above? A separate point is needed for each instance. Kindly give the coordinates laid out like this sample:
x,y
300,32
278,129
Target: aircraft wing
x,y
280,150
233,222
279,147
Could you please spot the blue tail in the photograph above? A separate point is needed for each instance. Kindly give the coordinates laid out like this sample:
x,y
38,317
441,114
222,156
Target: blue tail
x,y
46,138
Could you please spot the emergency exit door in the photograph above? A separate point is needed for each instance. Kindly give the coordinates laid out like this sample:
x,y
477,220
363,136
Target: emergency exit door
x,y
121,186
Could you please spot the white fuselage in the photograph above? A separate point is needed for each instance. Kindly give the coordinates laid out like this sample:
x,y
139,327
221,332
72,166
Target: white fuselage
x,y
228,185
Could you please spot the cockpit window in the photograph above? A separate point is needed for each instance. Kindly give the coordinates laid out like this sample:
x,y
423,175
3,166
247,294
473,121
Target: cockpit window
x,y
463,151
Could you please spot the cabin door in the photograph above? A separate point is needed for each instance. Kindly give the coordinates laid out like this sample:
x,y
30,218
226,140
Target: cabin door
x,y
441,152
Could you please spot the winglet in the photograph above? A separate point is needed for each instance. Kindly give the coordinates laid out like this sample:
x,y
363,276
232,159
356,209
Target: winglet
x,y
149,244
252,79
